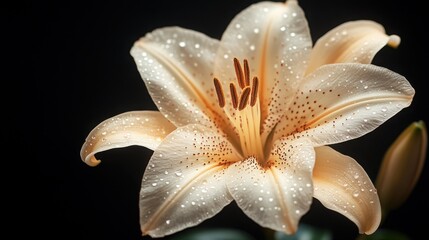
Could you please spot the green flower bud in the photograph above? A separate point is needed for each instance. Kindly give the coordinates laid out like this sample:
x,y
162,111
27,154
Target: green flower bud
x,y
401,167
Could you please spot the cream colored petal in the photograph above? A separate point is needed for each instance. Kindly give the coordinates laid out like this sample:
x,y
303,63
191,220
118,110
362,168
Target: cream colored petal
x,y
278,195
342,185
355,41
184,182
144,128
275,39
176,65
340,102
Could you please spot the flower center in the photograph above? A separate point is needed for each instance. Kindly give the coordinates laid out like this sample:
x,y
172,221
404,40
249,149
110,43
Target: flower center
x,y
244,113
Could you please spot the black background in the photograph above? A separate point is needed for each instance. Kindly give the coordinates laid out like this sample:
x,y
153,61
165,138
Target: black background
x,y
77,57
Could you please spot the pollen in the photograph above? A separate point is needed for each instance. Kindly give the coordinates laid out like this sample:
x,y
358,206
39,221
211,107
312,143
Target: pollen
x,y
243,110
246,95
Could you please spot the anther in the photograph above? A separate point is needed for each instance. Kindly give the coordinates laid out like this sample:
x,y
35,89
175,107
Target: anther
x,y
239,73
246,73
244,98
254,93
219,92
234,97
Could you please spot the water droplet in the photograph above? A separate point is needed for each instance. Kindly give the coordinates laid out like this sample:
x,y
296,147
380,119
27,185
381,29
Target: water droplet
x,y
154,184
167,222
182,44
282,29
261,209
166,172
297,211
260,199
178,174
355,194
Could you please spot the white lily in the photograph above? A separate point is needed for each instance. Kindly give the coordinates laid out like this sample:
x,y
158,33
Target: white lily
x,y
247,118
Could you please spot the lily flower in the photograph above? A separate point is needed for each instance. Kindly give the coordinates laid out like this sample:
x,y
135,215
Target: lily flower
x,y
248,119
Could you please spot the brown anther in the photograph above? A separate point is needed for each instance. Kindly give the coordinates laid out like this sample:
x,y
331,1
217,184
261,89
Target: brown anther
x,y
239,73
254,93
246,73
234,96
219,92
244,98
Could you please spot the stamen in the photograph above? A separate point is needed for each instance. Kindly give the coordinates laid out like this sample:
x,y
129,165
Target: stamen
x,y
246,73
239,73
219,92
244,98
254,94
234,97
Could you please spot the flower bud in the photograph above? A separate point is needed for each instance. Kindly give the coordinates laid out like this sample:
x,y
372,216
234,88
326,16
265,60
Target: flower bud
x,y
402,166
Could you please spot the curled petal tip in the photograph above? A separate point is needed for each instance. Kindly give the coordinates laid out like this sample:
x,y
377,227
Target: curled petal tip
x,y
394,41
92,161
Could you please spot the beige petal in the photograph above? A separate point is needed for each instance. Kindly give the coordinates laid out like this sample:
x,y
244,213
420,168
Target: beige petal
x,y
176,65
144,128
275,39
355,41
340,102
184,182
277,195
342,185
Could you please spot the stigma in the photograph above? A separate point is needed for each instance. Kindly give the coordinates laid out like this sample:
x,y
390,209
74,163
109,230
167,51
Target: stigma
x,y
243,109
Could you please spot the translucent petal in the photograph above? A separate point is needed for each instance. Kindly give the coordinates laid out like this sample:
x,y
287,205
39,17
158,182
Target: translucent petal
x,y
342,185
339,102
144,128
177,67
275,39
355,41
278,194
184,182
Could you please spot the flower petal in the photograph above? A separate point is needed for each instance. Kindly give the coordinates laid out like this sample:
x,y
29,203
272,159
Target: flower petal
x,y
184,181
277,195
177,67
342,185
340,102
355,41
144,128
275,39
